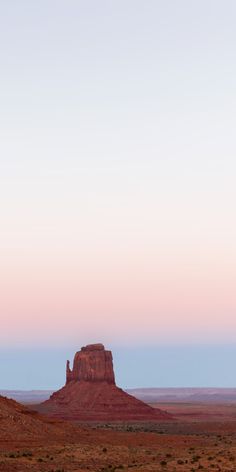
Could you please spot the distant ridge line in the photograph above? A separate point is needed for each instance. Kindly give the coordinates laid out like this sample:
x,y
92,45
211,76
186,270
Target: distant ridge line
x,y
149,395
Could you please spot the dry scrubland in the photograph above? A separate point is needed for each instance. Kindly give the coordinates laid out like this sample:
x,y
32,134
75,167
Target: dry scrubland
x,y
171,437
30,442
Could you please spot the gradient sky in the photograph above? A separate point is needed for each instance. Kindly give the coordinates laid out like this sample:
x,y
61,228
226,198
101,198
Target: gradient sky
x,y
117,177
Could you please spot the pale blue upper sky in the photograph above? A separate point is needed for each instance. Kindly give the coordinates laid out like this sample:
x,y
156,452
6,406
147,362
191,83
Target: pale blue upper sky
x,y
99,83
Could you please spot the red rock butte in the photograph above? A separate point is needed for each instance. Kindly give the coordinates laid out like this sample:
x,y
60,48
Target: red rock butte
x,y
91,364
90,392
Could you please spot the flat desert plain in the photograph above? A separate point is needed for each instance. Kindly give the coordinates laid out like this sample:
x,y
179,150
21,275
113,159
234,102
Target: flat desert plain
x,y
202,437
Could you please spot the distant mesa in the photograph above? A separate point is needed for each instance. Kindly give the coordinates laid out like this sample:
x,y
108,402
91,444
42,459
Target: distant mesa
x,y
90,392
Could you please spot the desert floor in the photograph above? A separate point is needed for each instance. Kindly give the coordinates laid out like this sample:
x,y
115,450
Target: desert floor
x,y
202,437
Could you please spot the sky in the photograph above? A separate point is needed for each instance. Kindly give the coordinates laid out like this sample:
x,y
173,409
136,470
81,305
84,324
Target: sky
x,y
117,186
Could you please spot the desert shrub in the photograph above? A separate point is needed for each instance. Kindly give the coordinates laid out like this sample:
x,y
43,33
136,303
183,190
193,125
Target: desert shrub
x,y
131,429
27,454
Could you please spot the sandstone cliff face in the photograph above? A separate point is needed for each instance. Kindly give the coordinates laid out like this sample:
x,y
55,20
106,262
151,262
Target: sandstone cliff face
x,y
90,392
92,364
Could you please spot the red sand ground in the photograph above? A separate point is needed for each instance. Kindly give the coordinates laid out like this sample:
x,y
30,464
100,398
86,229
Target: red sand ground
x,y
196,441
